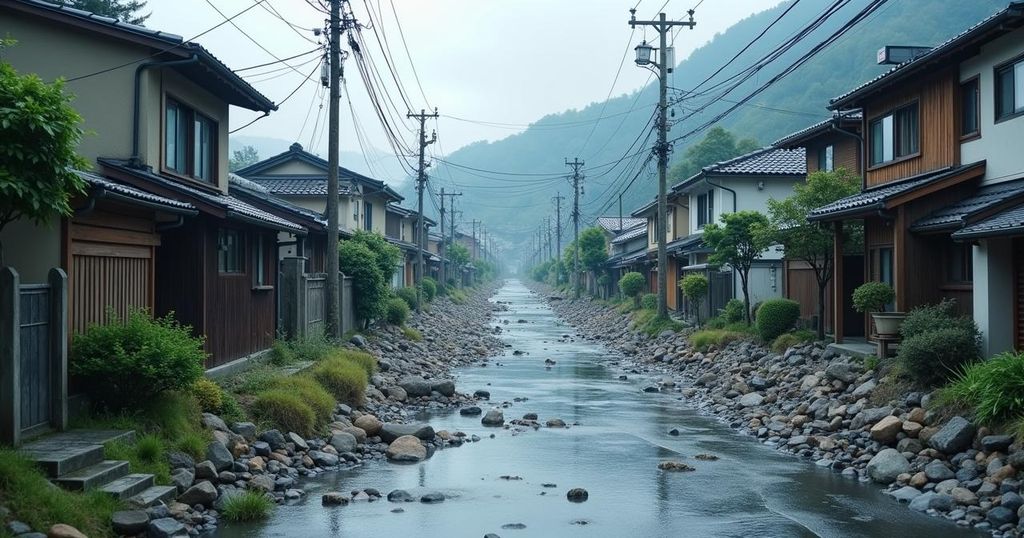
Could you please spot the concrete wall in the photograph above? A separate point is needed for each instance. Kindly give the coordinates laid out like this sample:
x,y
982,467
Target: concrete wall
x,y
765,282
993,294
1000,143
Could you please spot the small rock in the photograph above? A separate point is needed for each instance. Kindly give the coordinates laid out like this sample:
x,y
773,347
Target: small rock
x,y
676,466
334,498
61,530
166,527
751,399
494,417
577,495
955,436
555,423
471,411
203,493
406,449
344,442
401,496
432,498
888,464
129,522
885,430
369,424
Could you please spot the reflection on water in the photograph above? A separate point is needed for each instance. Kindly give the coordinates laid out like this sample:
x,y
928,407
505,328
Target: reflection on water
x,y
613,453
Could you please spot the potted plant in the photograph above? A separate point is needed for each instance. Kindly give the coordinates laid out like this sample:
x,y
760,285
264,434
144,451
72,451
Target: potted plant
x,y
871,297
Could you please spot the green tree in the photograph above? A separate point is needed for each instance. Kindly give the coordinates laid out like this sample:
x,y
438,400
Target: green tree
x,y
593,249
386,255
370,289
737,242
632,284
718,145
695,289
458,256
241,158
39,135
812,243
122,10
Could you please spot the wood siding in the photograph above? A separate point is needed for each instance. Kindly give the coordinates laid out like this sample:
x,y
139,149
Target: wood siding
x,y
845,152
939,144
801,285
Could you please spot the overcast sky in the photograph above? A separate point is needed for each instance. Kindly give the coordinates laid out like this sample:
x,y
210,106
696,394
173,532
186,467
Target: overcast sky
x,y
501,61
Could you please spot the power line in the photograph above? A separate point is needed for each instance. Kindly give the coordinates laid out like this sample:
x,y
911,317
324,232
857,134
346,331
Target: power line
x,y
281,102
249,37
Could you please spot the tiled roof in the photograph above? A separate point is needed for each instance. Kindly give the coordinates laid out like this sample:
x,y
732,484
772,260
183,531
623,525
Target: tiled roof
x,y
629,258
875,197
1008,222
258,191
683,244
232,206
766,162
631,233
824,125
997,22
957,214
295,152
612,225
132,192
297,185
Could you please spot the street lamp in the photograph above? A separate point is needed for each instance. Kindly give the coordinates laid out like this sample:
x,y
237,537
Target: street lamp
x,y
643,54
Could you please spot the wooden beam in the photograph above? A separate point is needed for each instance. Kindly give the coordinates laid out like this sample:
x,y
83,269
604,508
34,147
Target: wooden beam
x,y
837,282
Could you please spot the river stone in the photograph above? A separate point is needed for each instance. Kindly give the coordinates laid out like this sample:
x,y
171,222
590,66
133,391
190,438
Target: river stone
x,y
842,371
358,340
494,417
406,449
323,459
996,443
261,482
885,430
1011,500
129,522
415,386
358,433
470,411
555,423
401,496
180,460
577,495
1001,515
887,465
905,494
391,431
273,438
921,502
334,498
246,429
751,399
937,471
433,497
344,442
865,388
964,496
955,436
165,527
203,493
297,440
445,386
182,479
369,424
397,394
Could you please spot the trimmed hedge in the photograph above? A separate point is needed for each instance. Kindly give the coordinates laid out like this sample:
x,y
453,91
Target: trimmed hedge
x,y
733,311
408,295
397,311
930,358
775,317
649,301
429,287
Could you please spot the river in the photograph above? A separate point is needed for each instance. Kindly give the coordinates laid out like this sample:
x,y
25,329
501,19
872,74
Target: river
x,y
620,437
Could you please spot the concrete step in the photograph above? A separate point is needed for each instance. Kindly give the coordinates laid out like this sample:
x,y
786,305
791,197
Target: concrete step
x,y
154,495
94,476
128,485
61,460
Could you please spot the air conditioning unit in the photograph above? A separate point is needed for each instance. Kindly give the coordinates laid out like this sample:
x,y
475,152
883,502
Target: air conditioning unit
x,y
897,54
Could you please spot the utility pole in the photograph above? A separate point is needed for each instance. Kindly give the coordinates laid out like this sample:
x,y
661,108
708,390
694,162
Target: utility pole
x,y
550,254
421,185
442,248
664,64
333,313
620,212
577,190
558,233
474,253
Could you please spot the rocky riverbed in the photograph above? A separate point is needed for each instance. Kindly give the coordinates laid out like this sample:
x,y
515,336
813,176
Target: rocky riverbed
x,y
413,376
817,404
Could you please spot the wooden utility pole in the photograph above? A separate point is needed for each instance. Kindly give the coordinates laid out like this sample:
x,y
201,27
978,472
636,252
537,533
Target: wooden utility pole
x,y
421,185
663,26
473,255
443,250
577,190
558,234
333,313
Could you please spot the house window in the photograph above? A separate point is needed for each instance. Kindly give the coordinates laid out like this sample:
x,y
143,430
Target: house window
x,y
189,142
705,208
229,251
826,158
260,273
959,264
969,108
895,135
1010,90
367,216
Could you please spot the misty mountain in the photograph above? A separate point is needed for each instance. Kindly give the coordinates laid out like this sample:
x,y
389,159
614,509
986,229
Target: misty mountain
x,y
512,205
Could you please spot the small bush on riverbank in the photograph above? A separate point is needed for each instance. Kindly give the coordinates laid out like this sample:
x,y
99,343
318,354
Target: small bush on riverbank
x,y
286,411
776,317
208,394
656,326
145,455
312,393
649,301
412,334
343,378
365,361
703,340
457,296
310,348
281,354
247,506
932,357
429,287
408,295
397,311
125,363
33,500
788,340
993,389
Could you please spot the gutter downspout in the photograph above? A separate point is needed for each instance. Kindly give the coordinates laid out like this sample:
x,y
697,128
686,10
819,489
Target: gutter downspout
x,y
862,156
136,161
723,187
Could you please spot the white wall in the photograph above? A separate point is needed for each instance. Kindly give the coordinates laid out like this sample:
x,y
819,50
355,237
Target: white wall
x,y
765,282
993,296
1000,143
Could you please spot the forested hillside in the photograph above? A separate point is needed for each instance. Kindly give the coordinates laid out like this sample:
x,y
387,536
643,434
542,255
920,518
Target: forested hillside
x,y
530,160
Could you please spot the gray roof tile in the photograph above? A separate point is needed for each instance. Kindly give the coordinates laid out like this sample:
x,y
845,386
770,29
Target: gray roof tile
x,y
822,125
1008,222
611,224
957,214
632,233
297,185
132,192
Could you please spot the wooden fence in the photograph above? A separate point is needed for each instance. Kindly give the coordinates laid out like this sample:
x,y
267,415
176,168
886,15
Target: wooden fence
x,y
304,300
33,355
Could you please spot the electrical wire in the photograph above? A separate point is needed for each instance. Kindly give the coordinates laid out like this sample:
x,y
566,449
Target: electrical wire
x,y
281,102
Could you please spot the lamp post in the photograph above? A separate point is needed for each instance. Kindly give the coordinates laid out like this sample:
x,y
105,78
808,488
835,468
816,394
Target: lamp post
x,y
643,59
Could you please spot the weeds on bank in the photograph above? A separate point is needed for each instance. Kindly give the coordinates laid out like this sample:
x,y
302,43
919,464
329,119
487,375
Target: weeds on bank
x,y
247,506
412,334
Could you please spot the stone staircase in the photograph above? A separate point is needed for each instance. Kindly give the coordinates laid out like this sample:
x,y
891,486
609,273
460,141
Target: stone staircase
x,y
75,460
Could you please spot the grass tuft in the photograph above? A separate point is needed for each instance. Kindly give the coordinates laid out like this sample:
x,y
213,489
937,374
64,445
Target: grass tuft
x,y
412,334
285,410
343,378
703,340
788,340
312,393
993,389
247,506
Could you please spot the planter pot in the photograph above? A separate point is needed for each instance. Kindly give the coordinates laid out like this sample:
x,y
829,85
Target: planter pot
x,y
888,323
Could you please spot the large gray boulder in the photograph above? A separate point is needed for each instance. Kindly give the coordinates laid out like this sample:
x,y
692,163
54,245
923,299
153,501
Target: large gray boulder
x,y
445,386
954,437
406,449
494,417
273,438
751,399
219,456
887,465
203,493
391,431
416,386
843,371
343,442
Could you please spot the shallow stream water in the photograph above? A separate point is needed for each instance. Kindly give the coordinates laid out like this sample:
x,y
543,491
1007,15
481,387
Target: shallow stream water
x,y
613,452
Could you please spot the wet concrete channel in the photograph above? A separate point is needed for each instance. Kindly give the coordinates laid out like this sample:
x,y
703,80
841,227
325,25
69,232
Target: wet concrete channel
x,y
613,452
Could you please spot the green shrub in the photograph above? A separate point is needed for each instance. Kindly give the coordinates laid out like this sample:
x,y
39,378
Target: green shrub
x,y
656,326
458,296
208,394
281,354
408,295
932,357
429,288
369,286
695,288
788,340
286,411
127,362
361,358
872,297
311,347
649,301
733,311
193,443
775,317
32,499
344,379
397,311
257,380
994,389
230,410
247,506
933,317
631,285
412,334
145,455
312,393
703,340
